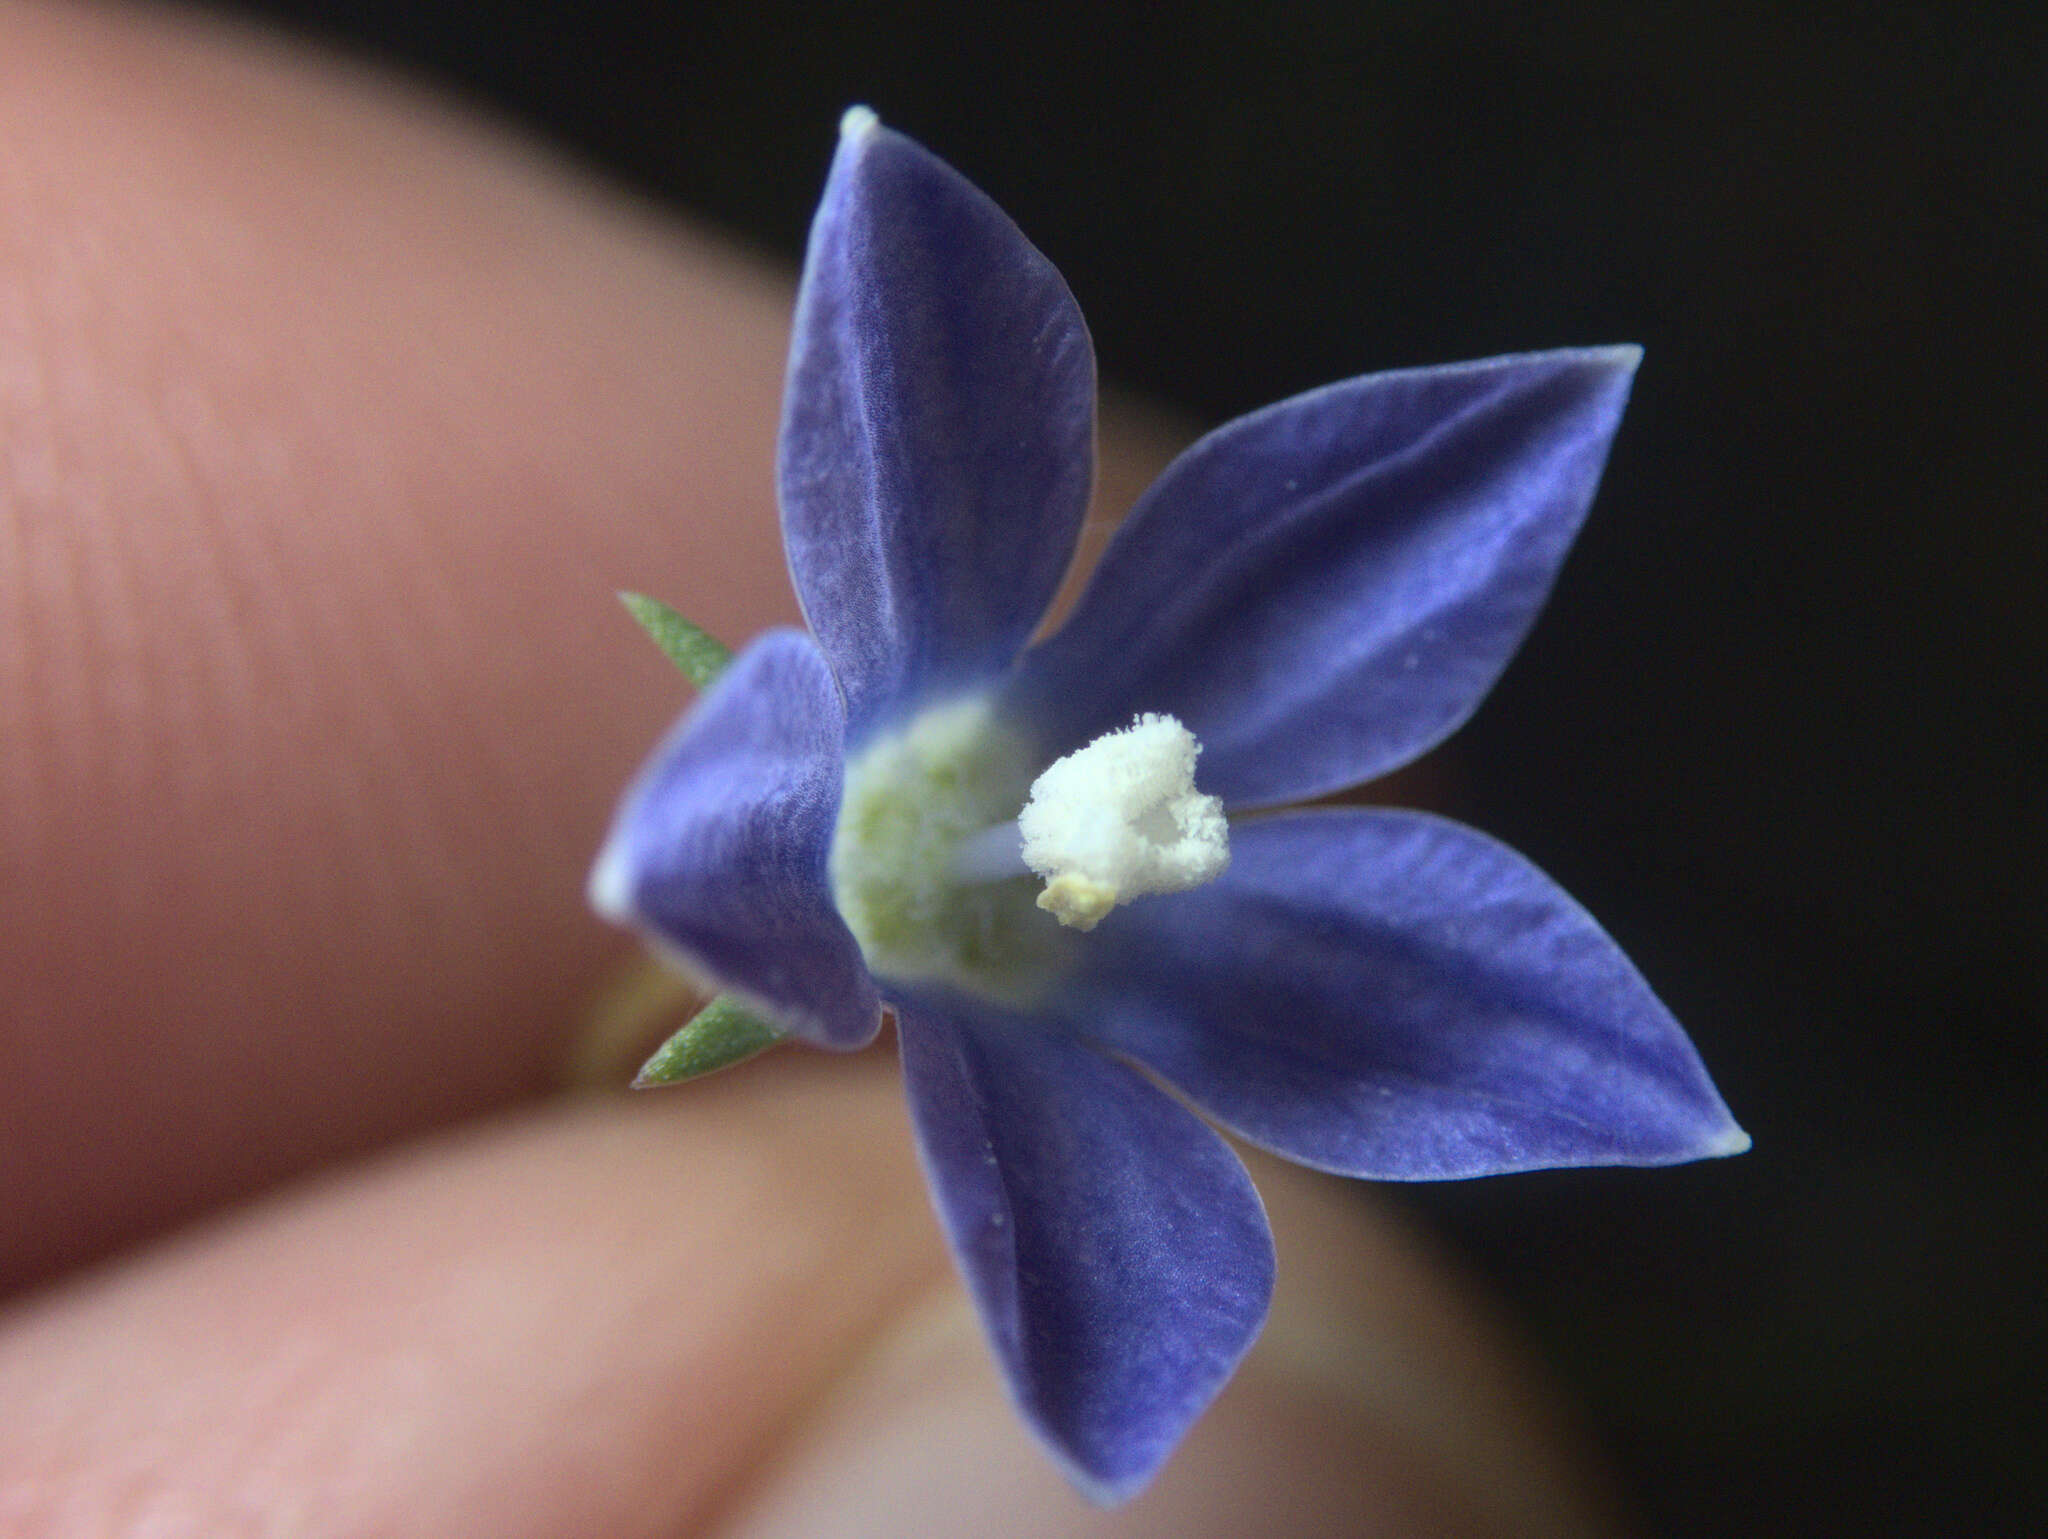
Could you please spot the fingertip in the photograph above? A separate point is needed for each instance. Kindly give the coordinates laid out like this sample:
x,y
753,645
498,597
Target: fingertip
x,y
586,1321
335,417
1378,1402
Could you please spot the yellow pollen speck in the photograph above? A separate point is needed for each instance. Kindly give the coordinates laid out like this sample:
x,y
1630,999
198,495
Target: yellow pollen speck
x,y
1077,901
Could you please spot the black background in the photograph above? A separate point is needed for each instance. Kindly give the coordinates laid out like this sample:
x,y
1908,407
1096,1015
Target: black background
x,y
1782,725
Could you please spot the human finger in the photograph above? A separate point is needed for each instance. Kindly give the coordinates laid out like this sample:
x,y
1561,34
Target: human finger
x,y
721,1311
333,420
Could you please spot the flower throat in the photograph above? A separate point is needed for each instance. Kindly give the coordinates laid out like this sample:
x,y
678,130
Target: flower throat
x,y
944,831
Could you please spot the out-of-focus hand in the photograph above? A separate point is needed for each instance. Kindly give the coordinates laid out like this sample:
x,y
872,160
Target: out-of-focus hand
x,y
329,422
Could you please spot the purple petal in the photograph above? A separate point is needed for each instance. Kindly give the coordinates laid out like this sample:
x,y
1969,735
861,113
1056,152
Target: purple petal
x,y
1387,994
1325,589
938,428
1113,1243
719,849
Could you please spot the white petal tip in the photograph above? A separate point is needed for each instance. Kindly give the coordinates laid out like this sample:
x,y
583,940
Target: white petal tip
x,y
610,889
857,122
1734,1141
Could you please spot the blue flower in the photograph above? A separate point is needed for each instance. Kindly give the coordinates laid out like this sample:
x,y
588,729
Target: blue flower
x,y
1309,597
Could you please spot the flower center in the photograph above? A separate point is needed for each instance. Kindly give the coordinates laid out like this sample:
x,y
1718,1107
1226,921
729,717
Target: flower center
x,y
933,876
914,799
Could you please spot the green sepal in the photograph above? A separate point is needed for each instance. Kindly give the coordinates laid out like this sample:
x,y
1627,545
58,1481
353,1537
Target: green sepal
x,y
723,1033
701,655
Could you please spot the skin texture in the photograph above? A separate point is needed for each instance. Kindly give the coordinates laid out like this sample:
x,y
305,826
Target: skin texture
x,y
329,421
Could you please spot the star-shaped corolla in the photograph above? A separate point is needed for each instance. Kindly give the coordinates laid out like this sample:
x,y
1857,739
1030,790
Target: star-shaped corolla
x,y
1314,595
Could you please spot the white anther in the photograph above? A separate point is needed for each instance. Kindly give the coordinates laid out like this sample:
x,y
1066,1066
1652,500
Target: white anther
x,y
1121,818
